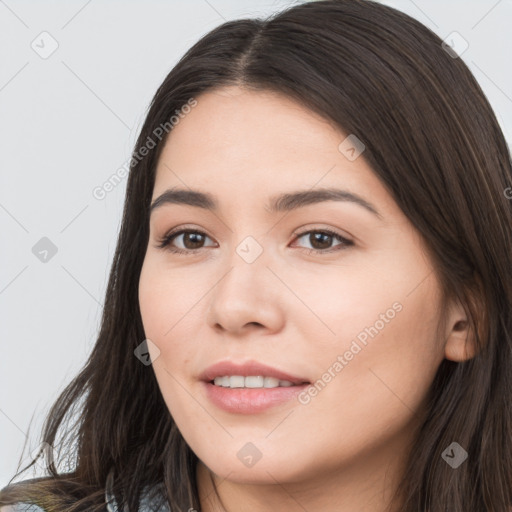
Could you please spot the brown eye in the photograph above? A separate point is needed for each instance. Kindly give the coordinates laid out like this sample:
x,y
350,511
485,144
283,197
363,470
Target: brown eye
x,y
192,240
187,240
321,241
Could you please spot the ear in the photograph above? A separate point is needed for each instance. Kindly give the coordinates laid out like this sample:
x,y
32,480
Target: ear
x,y
460,344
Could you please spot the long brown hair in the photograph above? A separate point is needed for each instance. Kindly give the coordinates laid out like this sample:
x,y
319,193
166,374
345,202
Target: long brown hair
x,y
432,138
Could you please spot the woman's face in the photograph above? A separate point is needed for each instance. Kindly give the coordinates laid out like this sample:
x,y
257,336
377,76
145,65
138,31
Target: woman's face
x,y
357,319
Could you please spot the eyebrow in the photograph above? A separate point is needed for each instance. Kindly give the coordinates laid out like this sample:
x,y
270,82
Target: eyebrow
x,y
280,203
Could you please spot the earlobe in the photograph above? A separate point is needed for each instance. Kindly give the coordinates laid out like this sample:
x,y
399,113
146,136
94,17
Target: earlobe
x,y
460,344
460,340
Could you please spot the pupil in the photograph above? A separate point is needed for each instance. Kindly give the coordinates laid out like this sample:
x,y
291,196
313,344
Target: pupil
x,y
318,236
195,237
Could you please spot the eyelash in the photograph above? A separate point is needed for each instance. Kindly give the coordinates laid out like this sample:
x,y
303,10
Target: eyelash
x,y
164,243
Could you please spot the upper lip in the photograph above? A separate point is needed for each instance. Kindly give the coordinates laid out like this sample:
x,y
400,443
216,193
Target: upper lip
x,y
246,369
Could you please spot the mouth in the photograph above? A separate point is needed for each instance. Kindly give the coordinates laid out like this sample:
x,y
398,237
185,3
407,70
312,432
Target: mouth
x,y
250,387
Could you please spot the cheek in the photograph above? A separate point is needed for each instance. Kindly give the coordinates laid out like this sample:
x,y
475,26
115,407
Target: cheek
x,y
384,360
382,350
164,306
170,306
166,300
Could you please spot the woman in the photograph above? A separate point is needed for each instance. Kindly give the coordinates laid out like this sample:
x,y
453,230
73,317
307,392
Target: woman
x,y
379,352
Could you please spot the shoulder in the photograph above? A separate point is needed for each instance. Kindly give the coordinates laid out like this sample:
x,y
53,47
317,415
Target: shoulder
x,y
20,495
153,499
21,507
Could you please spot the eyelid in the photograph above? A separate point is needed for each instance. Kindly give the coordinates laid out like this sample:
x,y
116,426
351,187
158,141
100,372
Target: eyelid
x,y
316,227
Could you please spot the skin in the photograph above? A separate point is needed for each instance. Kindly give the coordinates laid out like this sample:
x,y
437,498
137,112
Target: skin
x,y
345,449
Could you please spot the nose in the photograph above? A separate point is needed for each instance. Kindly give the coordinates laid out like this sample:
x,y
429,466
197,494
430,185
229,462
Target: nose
x,y
248,297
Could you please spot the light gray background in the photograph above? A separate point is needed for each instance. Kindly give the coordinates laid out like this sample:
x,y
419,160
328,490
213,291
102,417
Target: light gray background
x,y
69,121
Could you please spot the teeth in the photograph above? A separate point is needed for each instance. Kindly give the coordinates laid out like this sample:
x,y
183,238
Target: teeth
x,y
238,381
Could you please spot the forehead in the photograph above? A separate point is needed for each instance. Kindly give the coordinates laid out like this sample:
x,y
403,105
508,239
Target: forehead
x,y
241,123
257,143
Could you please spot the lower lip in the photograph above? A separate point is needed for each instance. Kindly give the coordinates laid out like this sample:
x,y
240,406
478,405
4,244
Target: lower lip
x,y
250,400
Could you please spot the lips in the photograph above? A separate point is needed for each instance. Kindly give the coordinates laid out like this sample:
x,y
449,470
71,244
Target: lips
x,y
247,369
